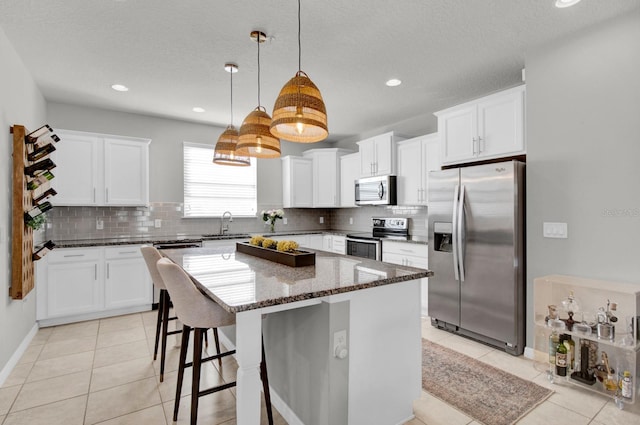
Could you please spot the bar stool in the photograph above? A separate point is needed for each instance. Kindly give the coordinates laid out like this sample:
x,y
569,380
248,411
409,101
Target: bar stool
x,y
151,256
198,312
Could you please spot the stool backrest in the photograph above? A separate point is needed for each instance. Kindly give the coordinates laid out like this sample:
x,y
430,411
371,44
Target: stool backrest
x,y
192,307
151,256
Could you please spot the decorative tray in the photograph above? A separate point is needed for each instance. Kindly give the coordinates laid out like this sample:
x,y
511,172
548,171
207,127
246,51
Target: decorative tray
x,y
293,259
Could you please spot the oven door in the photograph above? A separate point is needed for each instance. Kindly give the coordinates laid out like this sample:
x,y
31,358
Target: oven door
x,y
364,248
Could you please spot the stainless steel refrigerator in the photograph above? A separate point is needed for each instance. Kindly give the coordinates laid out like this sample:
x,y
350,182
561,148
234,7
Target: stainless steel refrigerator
x,y
476,251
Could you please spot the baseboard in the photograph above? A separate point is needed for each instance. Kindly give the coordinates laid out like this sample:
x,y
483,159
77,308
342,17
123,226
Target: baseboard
x,y
528,353
93,316
15,358
277,402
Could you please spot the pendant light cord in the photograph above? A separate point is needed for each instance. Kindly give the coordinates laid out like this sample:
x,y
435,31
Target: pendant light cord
x,y
231,97
258,41
299,44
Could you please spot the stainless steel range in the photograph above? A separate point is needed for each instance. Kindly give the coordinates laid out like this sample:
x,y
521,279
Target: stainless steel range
x,y
368,244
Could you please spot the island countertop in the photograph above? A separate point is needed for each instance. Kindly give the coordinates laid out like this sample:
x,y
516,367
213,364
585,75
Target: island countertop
x,y
241,282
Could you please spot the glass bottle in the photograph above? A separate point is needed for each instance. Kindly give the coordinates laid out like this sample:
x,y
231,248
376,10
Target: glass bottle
x,y
571,352
554,340
561,357
626,385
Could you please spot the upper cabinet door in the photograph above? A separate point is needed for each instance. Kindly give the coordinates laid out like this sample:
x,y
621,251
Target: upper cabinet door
x,y
458,129
126,172
326,176
378,155
77,170
501,125
297,182
409,182
349,173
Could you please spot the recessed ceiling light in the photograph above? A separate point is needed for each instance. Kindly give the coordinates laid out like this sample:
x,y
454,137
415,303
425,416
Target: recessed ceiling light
x,y
566,3
119,87
198,109
393,82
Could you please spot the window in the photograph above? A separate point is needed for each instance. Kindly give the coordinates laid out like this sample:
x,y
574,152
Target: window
x,y
211,189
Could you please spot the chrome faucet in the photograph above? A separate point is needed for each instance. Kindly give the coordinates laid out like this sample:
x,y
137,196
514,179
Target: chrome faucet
x,y
224,228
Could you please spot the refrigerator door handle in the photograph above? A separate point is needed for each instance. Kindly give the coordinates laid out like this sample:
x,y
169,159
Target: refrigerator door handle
x,y
454,233
460,234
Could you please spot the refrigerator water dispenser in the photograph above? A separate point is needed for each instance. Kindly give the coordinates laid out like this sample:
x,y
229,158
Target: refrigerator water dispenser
x,y
442,237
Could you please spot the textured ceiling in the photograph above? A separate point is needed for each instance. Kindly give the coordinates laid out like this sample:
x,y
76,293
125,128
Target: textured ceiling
x,y
171,53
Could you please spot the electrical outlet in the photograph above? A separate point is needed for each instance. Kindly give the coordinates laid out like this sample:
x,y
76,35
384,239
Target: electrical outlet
x,y
340,344
350,220
99,224
554,230
157,223
284,220
321,220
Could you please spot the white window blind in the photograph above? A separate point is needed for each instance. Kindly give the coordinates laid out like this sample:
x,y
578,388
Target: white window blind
x,y
211,189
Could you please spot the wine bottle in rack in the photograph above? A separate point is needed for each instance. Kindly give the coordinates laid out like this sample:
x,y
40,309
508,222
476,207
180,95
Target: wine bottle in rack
x,y
41,152
39,167
35,134
37,210
42,136
43,250
40,180
44,196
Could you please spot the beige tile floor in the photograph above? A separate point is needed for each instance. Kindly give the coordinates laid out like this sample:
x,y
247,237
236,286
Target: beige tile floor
x,y
100,372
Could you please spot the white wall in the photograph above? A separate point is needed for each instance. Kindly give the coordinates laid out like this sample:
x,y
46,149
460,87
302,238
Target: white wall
x,y
20,103
583,130
165,161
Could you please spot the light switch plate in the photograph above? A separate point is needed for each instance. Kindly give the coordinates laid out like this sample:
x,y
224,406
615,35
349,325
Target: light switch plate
x,y
157,223
321,220
99,224
350,220
284,220
554,230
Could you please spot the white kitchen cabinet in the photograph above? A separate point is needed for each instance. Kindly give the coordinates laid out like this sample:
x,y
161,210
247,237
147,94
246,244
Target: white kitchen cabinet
x,y
349,173
410,254
128,282
126,172
334,243
326,176
486,128
77,172
378,155
297,182
75,284
315,241
417,157
95,169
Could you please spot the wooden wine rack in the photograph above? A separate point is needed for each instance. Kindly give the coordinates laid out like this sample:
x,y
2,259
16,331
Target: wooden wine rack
x,y
22,274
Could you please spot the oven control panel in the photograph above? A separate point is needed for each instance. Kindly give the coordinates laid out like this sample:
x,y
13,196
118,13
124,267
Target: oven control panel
x,y
390,223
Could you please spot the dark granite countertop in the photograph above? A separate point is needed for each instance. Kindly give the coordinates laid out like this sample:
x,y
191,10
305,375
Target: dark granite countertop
x,y
258,283
138,240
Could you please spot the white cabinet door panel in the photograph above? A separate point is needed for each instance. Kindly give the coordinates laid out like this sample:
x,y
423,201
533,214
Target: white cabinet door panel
x,y
74,288
458,131
126,172
500,125
127,283
409,181
76,177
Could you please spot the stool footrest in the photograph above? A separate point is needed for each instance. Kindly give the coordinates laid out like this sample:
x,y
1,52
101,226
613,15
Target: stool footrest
x,y
174,332
214,357
216,389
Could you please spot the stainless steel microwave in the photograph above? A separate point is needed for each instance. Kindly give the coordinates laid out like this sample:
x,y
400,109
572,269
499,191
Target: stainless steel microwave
x,y
379,190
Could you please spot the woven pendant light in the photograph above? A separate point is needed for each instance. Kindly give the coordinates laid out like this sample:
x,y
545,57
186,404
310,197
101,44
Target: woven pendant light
x,y
226,151
299,114
255,135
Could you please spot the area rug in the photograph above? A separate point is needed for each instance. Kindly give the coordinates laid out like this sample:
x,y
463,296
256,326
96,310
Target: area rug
x,y
487,394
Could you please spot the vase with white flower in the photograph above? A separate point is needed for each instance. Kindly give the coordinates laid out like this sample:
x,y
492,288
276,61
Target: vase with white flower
x,y
271,216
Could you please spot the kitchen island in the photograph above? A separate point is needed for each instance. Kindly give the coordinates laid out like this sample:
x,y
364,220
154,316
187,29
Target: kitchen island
x,y
342,336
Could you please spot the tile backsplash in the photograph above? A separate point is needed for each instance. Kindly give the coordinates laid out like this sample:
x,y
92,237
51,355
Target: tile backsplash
x,y
73,223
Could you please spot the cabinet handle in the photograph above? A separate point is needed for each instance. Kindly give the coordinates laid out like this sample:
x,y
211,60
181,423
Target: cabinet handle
x,y
95,272
480,144
127,252
106,190
473,147
107,270
94,194
74,255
